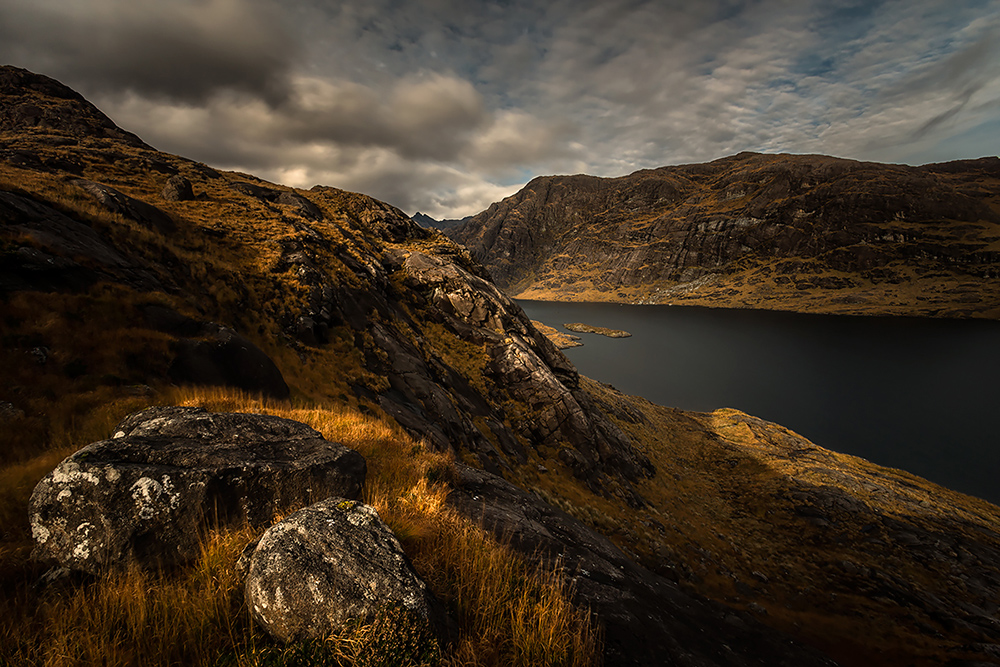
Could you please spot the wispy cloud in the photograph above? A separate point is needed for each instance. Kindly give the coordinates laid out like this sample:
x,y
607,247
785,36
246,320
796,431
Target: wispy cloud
x,y
447,105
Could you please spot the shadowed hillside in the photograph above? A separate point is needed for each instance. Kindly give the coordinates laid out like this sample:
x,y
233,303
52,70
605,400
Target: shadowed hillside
x,y
131,277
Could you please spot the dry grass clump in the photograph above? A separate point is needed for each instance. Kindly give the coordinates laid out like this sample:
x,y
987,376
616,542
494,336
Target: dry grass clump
x,y
509,611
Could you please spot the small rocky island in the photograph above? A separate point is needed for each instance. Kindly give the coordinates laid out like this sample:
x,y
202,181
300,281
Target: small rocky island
x,y
587,328
561,340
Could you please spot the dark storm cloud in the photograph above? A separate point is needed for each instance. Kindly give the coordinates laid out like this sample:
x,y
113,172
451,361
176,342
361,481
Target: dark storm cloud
x,y
174,49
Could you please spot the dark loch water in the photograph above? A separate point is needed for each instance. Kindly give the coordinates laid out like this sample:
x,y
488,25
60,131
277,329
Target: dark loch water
x,y
918,394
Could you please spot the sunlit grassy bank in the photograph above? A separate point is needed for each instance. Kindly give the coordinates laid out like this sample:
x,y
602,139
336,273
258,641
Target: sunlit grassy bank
x,y
508,611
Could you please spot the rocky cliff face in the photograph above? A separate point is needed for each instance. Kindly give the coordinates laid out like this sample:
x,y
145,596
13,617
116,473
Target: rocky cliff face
x,y
797,232
116,285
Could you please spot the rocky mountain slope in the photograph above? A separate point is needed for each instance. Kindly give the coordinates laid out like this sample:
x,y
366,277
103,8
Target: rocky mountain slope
x,y
708,539
788,232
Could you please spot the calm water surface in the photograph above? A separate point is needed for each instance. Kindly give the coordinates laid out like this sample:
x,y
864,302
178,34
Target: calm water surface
x,y
918,394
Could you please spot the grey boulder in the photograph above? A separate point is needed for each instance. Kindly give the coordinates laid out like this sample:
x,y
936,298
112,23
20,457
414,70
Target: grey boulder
x,y
147,494
330,563
177,188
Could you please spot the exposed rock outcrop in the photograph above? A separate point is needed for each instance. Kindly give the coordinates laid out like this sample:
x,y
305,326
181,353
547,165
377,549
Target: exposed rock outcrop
x,y
767,231
328,564
145,494
177,188
129,207
527,367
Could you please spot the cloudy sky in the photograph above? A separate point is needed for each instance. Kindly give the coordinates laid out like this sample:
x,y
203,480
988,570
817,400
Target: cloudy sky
x,y
445,106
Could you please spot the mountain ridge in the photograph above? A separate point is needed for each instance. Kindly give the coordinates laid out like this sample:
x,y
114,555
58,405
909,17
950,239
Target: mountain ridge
x,y
789,232
425,220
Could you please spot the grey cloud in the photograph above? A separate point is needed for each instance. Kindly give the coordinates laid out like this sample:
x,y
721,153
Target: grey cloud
x,y
433,105
180,50
391,145
430,116
435,189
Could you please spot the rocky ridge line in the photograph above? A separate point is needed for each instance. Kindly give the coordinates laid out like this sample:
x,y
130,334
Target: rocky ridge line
x,y
789,232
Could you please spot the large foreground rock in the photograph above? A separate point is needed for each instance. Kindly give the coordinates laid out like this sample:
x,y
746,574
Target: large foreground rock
x,y
328,564
146,494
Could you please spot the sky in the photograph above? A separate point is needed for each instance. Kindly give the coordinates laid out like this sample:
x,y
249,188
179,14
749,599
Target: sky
x,y
445,106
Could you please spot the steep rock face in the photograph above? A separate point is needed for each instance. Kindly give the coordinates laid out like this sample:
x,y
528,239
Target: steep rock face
x,y
750,229
144,495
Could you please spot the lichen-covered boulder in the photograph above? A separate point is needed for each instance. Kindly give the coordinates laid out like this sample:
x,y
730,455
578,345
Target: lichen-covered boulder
x,y
328,564
147,494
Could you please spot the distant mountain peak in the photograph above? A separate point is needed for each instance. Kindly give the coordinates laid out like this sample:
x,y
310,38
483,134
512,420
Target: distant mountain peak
x,y
425,220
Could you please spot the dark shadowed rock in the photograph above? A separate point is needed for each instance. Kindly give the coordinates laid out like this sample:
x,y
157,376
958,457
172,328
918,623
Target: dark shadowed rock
x,y
646,618
300,205
328,564
177,188
260,192
146,494
168,320
222,357
128,207
57,252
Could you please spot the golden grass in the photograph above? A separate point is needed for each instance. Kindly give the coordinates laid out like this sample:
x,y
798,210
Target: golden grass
x,y
509,611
